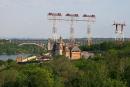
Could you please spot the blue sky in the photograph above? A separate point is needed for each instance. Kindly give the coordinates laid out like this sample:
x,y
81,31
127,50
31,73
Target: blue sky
x,y
28,18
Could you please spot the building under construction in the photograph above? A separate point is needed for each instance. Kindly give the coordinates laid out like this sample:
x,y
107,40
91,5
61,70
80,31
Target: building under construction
x,y
57,46
70,49
66,49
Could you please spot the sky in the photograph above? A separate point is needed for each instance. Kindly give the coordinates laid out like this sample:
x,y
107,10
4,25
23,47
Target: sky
x,y
28,18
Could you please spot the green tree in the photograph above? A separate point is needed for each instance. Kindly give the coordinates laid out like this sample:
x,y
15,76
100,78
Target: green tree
x,y
38,77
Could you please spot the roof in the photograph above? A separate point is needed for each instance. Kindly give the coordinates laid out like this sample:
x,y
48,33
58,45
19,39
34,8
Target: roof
x,y
67,49
75,49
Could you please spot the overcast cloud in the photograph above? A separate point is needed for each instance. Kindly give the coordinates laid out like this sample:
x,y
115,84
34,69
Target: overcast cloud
x,y
28,18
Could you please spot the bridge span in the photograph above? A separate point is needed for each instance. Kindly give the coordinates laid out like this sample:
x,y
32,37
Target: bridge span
x,y
37,44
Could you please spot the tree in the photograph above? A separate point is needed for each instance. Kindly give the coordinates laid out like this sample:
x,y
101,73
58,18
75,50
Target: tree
x,y
38,77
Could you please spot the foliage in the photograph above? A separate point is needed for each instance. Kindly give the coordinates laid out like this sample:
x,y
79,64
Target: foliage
x,y
110,67
12,48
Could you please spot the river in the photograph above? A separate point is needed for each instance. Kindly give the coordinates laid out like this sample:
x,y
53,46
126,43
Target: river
x,y
13,57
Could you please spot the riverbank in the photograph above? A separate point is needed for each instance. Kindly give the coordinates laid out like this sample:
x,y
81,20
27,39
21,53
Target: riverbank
x,y
13,57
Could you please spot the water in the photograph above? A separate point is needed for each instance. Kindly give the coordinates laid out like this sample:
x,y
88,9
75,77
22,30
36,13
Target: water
x,y
13,57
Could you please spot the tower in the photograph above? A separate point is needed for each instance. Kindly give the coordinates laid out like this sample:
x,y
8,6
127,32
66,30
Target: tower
x,y
61,45
72,18
119,27
54,17
90,19
49,46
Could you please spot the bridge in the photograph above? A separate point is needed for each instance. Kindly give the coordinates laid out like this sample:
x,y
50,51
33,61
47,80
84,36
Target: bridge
x,y
37,44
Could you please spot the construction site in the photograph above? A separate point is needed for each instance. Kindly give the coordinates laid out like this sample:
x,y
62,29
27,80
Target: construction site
x,y
70,48
57,46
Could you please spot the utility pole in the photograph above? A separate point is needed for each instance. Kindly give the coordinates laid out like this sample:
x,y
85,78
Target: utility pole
x,y
89,19
119,31
54,17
